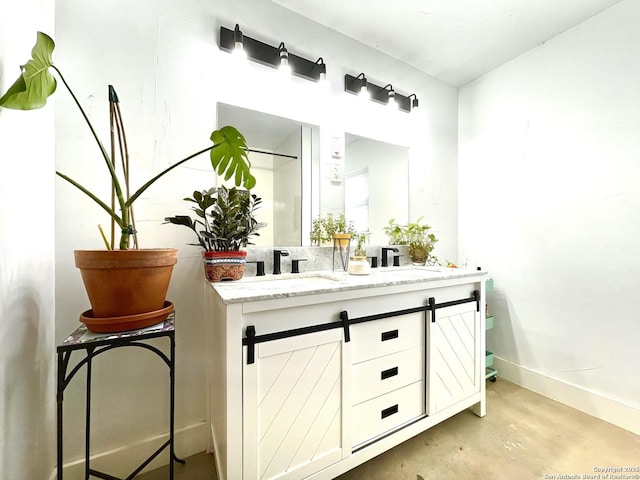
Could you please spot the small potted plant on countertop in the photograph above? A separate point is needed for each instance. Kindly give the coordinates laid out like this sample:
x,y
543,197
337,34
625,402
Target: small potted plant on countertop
x,y
115,279
416,236
226,222
334,229
358,264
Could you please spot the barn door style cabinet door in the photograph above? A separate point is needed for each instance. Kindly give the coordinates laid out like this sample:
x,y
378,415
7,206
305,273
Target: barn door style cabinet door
x,y
292,407
455,356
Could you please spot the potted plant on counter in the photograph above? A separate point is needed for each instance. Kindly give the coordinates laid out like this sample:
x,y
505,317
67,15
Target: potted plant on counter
x,y
122,287
336,230
358,264
416,236
226,222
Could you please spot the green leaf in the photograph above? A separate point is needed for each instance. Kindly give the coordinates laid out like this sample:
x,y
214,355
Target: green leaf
x,y
31,90
229,156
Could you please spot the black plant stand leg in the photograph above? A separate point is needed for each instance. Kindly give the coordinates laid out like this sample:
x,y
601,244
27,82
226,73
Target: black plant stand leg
x,y
172,401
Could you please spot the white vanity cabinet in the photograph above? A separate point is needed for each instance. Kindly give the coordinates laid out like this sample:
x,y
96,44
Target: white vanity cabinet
x,y
310,382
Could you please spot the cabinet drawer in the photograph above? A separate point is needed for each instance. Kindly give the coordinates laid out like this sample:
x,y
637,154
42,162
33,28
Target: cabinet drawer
x,y
384,374
383,414
388,335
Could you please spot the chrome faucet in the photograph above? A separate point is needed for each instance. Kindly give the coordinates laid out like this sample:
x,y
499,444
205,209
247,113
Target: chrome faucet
x,y
385,260
277,254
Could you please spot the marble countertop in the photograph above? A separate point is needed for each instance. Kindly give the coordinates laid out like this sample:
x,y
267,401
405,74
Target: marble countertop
x,y
250,289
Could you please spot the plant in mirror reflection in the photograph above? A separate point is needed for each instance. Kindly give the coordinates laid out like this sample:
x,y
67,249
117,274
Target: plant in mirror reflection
x,y
323,228
416,236
361,239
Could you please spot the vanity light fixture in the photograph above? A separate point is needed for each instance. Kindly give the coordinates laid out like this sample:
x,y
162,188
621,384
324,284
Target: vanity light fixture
x,y
414,102
271,56
385,95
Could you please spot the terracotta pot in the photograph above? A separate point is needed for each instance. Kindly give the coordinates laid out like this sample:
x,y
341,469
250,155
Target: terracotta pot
x,y
123,283
220,266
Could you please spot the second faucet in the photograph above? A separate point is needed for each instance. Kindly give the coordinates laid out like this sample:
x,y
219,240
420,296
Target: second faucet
x,y
277,254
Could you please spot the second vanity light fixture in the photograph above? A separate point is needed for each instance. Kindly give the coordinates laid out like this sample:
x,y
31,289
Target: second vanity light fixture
x,y
278,57
386,95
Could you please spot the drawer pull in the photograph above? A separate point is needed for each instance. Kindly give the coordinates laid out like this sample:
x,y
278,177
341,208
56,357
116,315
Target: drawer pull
x,y
389,411
392,372
390,335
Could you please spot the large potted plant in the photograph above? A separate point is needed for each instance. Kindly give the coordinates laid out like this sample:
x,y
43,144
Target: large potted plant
x,y
106,273
416,236
225,223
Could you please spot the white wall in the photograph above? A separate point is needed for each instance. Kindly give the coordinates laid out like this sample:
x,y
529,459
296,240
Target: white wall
x,y
549,204
27,349
164,61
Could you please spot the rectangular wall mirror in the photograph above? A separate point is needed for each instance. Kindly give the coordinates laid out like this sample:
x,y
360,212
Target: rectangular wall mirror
x,y
282,154
376,179
285,157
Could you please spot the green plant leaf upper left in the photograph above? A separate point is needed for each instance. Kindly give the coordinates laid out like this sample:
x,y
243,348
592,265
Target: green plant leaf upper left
x,y
35,84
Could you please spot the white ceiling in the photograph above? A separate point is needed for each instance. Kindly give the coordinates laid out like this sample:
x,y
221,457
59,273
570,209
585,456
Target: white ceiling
x,y
455,41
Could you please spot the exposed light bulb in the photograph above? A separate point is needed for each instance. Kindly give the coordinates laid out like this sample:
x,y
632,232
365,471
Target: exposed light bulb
x,y
392,103
322,75
239,51
284,68
238,41
323,81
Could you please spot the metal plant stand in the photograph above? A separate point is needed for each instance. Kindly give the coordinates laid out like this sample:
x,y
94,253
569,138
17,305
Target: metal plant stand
x,y
94,344
341,244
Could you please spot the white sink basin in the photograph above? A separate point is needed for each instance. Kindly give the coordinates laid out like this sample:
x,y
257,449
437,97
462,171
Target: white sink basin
x,y
292,280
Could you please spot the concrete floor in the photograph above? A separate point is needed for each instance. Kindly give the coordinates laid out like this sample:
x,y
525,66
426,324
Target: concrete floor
x,y
524,436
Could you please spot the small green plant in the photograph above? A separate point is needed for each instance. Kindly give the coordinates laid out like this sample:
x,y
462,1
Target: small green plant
x,y
416,236
226,218
394,232
361,239
323,228
36,83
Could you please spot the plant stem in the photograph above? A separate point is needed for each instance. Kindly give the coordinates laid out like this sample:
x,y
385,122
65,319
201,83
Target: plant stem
x,y
105,155
142,189
104,206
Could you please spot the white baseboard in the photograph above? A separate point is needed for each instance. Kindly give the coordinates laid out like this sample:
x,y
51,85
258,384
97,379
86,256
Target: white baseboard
x,y
120,462
595,404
